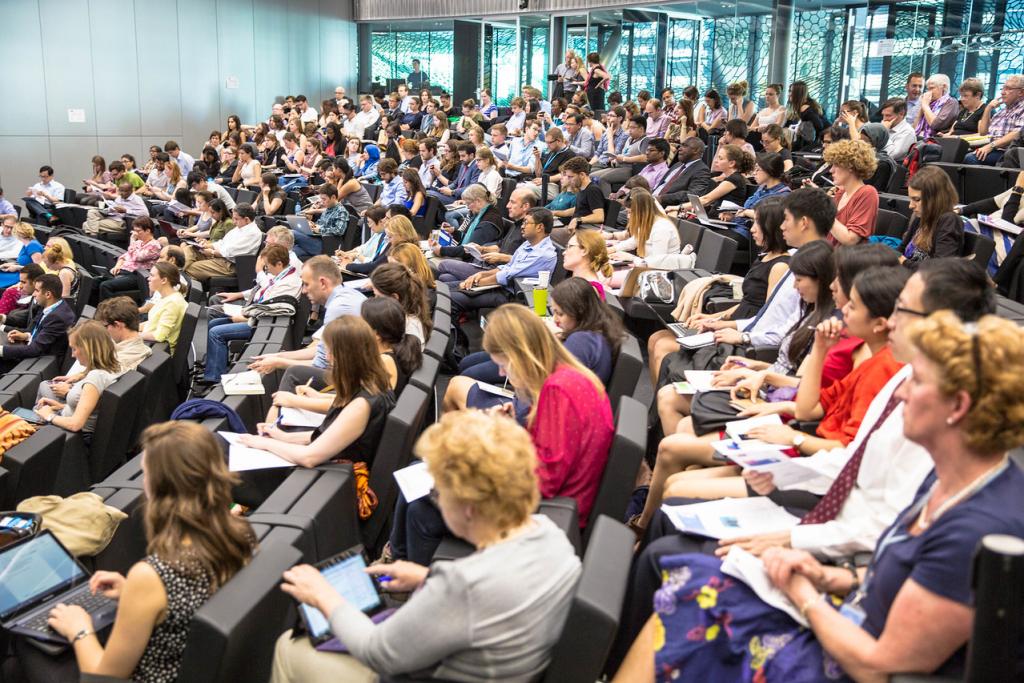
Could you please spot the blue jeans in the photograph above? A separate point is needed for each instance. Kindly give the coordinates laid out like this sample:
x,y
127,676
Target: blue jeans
x,y
418,530
480,367
454,270
991,159
219,332
457,215
306,245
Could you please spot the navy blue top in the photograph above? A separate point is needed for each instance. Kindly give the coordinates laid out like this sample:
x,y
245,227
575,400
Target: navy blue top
x,y
940,558
592,350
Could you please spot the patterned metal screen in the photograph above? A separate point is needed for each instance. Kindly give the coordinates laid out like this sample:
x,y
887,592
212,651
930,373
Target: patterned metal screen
x,y
816,55
392,53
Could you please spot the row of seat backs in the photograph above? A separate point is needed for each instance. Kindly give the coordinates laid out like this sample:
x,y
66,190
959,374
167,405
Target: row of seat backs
x,y
974,182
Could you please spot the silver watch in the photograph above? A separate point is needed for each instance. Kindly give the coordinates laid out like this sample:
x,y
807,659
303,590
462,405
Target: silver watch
x,y
798,440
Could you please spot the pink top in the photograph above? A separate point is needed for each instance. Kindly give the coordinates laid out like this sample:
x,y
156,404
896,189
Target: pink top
x,y
572,432
141,255
599,288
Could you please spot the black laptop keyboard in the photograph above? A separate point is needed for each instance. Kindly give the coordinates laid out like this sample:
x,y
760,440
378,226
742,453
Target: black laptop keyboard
x,y
86,600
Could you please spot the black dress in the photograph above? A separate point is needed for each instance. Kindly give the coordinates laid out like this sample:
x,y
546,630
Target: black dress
x,y
364,448
755,287
739,194
595,91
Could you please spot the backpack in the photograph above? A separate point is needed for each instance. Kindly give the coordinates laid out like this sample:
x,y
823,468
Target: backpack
x,y
923,152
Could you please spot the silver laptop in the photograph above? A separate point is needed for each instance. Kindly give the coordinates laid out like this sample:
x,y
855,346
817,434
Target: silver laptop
x,y
37,573
702,215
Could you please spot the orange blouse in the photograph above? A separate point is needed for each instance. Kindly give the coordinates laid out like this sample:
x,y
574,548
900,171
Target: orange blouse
x,y
847,399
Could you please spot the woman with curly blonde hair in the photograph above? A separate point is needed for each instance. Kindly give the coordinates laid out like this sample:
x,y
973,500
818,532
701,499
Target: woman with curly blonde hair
x,y
493,615
911,610
853,161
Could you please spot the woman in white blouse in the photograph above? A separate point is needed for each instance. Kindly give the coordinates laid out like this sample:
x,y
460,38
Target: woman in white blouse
x,y
649,232
489,176
773,111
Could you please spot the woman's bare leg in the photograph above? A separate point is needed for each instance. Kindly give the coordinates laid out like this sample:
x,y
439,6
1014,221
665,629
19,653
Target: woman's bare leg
x,y
710,483
661,344
456,394
672,407
675,454
638,666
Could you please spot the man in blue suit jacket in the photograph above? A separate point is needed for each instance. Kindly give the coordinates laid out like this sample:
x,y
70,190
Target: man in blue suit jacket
x,y
48,333
451,190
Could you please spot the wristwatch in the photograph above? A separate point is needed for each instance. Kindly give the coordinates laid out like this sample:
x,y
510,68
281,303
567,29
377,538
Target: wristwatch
x,y
745,338
798,440
84,633
49,418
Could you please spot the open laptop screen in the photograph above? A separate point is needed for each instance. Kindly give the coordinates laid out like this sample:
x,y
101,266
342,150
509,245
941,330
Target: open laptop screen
x,y
34,570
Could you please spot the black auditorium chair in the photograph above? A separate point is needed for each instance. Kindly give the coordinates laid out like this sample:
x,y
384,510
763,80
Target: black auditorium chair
x,y
232,636
32,466
581,651
117,411
318,506
629,365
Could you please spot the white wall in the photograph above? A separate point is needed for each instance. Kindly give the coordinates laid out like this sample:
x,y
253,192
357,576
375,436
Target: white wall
x,y
146,72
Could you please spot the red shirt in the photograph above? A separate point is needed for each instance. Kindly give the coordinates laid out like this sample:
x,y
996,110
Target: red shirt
x,y
859,214
846,401
572,432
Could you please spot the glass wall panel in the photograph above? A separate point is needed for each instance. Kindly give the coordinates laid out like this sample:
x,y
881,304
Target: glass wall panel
x,y
637,67
683,51
533,37
501,61
394,47
816,55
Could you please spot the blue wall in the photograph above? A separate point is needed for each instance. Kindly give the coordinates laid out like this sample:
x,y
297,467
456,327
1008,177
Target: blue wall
x,y
146,72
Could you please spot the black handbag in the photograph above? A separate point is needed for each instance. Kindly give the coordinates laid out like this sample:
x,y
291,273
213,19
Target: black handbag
x,y
710,411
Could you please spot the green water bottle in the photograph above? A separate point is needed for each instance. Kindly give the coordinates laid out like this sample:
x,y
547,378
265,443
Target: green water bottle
x,y
540,293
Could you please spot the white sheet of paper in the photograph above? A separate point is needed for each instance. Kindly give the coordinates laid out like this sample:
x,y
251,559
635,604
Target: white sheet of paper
x,y
997,221
700,379
362,283
730,517
696,341
496,390
300,417
729,206
232,309
242,458
414,481
765,457
738,428
750,570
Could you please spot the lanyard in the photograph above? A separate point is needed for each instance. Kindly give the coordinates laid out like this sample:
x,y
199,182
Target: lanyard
x,y
897,535
283,274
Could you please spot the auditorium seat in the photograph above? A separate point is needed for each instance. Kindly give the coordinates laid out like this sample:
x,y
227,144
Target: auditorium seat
x,y
32,466
629,365
581,651
319,503
978,247
232,636
890,224
627,451
117,410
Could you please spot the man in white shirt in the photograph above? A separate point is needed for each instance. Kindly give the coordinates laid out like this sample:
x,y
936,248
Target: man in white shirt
x,y
368,115
115,218
430,167
198,182
217,259
901,134
351,125
184,161
41,197
307,113
914,88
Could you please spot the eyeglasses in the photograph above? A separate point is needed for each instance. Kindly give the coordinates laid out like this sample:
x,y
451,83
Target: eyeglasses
x,y
909,311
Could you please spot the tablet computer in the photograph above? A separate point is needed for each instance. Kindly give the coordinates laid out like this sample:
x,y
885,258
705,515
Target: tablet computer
x,y
29,415
346,574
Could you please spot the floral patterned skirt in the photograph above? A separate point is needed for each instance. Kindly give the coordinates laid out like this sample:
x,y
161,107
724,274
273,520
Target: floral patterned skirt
x,y
712,627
